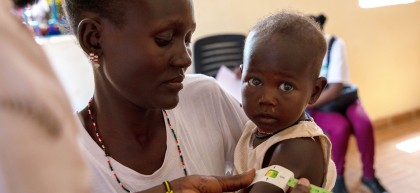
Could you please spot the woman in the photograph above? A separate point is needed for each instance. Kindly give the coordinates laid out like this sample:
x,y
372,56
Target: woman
x,y
147,127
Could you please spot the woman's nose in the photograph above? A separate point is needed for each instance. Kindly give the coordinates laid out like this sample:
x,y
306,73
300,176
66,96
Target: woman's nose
x,y
182,58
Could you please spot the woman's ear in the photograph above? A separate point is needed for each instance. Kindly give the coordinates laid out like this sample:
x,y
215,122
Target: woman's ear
x,y
89,35
319,86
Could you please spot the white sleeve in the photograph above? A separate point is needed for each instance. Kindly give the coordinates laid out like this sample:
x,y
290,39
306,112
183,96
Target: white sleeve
x,y
338,71
233,117
217,110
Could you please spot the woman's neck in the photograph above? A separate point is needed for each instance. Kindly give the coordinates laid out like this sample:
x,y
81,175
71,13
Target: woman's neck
x,y
128,134
124,118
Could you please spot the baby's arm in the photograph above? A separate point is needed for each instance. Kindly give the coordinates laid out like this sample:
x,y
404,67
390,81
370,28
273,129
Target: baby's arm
x,y
303,156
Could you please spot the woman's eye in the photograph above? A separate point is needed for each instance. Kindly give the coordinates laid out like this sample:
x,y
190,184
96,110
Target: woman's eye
x,y
164,38
162,41
286,87
254,82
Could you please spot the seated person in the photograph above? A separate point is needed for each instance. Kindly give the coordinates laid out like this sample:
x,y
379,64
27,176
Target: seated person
x,y
339,125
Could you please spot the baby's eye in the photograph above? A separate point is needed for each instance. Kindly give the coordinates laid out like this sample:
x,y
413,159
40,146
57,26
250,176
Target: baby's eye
x,y
254,82
286,87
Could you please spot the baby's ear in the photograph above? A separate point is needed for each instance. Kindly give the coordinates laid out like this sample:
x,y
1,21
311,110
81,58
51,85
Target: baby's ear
x,y
89,35
319,86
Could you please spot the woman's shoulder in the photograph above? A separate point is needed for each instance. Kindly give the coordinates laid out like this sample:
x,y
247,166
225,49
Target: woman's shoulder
x,y
198,85
201,91
193,80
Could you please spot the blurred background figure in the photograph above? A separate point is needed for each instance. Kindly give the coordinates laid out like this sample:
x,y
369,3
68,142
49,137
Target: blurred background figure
x,y
340,124
41,14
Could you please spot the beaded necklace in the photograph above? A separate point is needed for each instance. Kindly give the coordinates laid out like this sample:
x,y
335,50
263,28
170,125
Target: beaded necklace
x,y
260,134
108,156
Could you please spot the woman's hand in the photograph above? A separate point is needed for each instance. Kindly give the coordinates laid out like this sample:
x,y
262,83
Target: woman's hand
x,y
212,184
218,184
301,187
206,184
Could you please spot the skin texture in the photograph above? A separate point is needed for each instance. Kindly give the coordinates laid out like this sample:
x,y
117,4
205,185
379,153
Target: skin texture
x,y
279,79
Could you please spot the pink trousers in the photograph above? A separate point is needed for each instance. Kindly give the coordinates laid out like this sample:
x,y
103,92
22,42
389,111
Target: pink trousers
x,y
339,127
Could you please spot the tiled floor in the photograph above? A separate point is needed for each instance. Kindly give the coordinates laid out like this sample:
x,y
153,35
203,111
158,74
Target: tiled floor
x,y
399,171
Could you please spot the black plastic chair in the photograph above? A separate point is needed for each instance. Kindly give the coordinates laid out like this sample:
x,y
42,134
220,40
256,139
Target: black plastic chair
x,y
211,52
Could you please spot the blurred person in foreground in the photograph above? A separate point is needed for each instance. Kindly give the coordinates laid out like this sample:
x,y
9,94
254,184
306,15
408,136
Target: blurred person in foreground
x,y
38,143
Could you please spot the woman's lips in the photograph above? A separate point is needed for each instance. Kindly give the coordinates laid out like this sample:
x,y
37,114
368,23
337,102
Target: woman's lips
x,y
175,83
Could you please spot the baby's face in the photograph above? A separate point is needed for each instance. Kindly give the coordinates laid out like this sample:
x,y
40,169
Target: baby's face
x,y
277,82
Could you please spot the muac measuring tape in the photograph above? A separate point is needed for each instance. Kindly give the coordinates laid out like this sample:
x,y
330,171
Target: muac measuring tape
x,y
282,178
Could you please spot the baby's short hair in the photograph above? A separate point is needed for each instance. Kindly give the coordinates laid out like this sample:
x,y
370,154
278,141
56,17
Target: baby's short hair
x,y
298,28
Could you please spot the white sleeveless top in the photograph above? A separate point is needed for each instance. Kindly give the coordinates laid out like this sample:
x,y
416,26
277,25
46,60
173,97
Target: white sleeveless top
x,y
247,157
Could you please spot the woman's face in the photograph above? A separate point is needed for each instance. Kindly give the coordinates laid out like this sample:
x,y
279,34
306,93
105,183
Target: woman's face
x,y
144,59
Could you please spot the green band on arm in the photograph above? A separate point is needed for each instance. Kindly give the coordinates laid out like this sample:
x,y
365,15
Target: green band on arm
x,y
282,178
313,189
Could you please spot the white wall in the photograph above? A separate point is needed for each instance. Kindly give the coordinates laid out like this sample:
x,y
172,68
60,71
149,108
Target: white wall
x,y
72,67
383,44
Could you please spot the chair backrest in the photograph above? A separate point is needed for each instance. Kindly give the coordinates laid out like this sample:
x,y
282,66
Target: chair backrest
x,y
211,52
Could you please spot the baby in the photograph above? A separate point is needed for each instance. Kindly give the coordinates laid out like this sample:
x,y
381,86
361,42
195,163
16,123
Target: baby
x,y
280,76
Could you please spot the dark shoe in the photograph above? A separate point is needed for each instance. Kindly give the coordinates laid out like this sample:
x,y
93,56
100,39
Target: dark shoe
x,y
340,186
374,185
